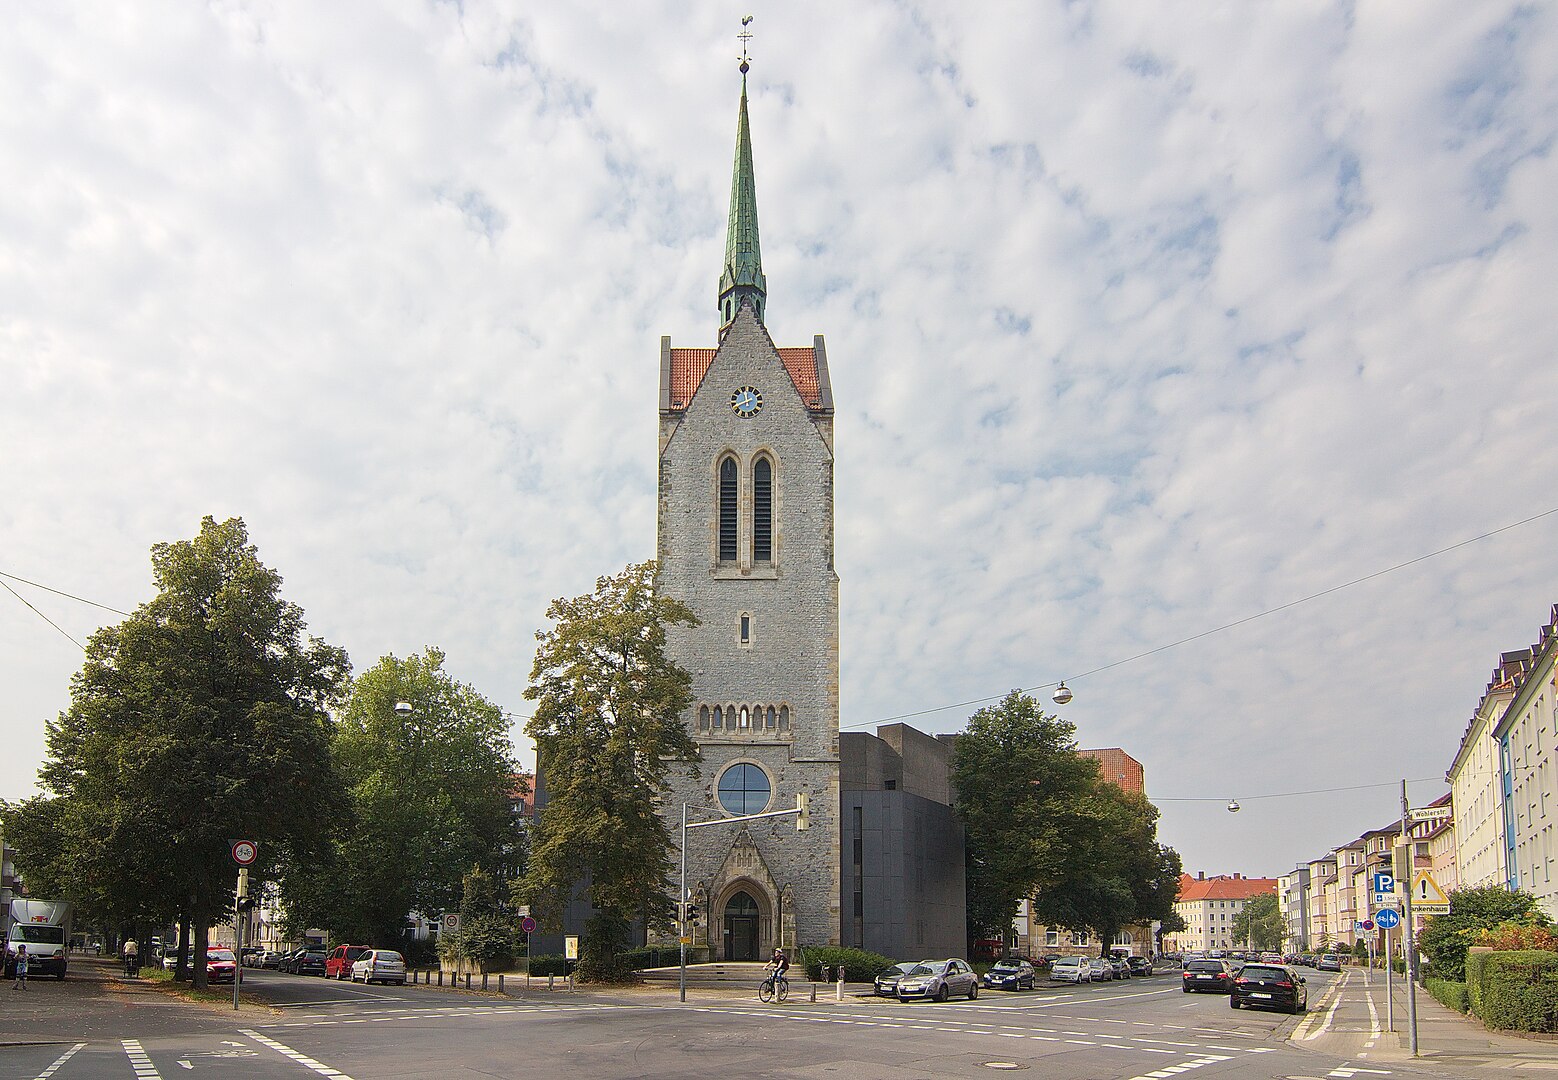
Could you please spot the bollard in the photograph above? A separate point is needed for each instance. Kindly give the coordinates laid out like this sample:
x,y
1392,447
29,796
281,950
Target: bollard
x,y
570,982
838,993
549,979
440,976
484,980
500,982
814,993
467,980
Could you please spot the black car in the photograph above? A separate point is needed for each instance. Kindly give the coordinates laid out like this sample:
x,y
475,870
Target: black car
x,y
887,981
1269,986
1213,975
1140,965
1009,975
309,962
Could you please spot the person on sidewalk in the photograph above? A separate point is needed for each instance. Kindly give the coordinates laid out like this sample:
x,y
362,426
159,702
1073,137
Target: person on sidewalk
x,y
132,958
21,968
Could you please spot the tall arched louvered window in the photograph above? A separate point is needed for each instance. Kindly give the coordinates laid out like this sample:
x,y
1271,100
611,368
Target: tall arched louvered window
x,y
727,510
763,511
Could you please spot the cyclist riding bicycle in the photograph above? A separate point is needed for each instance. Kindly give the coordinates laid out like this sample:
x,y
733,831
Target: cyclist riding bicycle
x,y
779,965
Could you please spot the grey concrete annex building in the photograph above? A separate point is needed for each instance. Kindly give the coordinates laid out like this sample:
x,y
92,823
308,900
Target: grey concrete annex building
x,y
746,540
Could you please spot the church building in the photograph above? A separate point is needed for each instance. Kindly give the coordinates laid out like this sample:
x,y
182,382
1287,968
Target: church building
x,y
745,539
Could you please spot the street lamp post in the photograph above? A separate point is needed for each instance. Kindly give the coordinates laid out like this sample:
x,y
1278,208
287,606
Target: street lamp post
x,y
802,815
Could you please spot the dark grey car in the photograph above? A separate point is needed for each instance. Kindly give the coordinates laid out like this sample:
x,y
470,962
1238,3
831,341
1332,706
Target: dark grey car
x,y
887,981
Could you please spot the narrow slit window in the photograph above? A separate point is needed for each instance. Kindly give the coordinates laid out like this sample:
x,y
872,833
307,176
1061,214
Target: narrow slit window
x,y
763,511
727,510
746,629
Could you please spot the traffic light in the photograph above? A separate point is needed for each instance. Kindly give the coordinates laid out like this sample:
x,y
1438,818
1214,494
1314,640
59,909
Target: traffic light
x,y
687,912
803,804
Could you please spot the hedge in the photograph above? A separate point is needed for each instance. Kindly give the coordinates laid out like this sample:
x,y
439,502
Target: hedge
x,y
1449,993
859,965
1476,972
550,965
1519,991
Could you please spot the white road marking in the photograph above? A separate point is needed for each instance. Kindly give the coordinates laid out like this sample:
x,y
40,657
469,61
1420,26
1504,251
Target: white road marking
x,y
1318,1022
66,1056
1344,1071
1184,1066
144,1069
302,1059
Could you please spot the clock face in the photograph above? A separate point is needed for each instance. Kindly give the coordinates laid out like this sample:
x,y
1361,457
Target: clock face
x,y
746,401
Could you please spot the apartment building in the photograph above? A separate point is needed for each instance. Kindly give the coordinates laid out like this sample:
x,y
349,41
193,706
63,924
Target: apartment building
x,y
1321,871
1210,907
1528,771
1476,787
1293,902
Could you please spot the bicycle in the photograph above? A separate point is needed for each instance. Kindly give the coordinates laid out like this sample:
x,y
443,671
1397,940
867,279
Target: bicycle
x,y
775,985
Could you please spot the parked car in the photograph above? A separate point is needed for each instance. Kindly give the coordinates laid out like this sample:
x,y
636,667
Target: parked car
x,y
1328,963
1071,969
310,961
1009,975
1140,965
1269,986
270,959
887,981
338,965
1122,967
221,966
938,979
380,965
1208,974
1103,970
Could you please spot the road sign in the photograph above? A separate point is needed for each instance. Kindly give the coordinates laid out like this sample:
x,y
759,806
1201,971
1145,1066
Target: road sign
x,y
523,910
1430,813
1368,924
1427,897
452,920
1384,889
243,851
1387,918
527,924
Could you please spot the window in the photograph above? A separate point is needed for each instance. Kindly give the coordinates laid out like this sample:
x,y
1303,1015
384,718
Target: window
x,y
727,510
744,789
763,511
746,629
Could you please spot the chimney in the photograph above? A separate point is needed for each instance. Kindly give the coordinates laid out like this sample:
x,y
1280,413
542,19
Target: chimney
x,y
1236,876
1200,875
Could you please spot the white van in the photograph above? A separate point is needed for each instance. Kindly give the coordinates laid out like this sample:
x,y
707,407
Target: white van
x,y
44,927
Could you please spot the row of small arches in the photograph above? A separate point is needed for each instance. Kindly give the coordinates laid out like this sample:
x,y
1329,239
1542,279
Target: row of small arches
x,y
740,718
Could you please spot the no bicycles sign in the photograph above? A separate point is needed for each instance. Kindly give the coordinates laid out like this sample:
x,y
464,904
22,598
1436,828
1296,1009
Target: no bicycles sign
x,y
244,851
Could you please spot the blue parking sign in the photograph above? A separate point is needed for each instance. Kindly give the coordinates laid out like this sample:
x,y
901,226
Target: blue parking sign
x,y
1384,883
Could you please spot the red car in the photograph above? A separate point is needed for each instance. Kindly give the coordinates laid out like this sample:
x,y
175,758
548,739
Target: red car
x,y
221,965
338,965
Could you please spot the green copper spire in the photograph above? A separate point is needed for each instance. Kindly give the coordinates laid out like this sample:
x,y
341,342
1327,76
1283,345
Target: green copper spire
x,y
742,280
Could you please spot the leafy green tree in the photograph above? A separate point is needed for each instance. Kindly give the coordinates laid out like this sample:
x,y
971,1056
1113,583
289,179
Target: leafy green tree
x,y
489,932
199,718
1018,779
428,794
1445,938
1259,924
1114,873
607,728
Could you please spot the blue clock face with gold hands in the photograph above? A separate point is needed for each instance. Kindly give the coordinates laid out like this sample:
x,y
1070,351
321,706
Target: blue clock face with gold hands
x,y
746,401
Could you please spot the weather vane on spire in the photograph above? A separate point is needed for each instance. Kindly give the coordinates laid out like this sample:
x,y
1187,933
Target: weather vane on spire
x,y
745,36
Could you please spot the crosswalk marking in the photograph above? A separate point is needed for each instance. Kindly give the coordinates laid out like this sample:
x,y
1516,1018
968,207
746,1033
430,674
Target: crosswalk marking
x,y
302,1059
139,1061
66,1056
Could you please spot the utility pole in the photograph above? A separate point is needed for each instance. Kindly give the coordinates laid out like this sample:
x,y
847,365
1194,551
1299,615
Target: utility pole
x,y
1406,917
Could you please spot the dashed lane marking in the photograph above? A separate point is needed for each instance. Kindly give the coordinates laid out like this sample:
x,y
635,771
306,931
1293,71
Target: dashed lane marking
x,y
66,1056
144,1069
302,1059
1182,1067
1344,1071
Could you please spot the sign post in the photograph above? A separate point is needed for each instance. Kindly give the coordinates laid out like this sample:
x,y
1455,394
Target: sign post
x,y
1406,914
244,852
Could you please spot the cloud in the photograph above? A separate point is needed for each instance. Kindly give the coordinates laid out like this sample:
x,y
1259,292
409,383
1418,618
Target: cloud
x,y
1139,322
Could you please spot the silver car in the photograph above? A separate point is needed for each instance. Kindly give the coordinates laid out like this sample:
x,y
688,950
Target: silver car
x,y
938,980
1071,969
380,965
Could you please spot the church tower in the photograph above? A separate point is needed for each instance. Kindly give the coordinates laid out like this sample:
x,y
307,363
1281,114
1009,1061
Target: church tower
x,y
746,540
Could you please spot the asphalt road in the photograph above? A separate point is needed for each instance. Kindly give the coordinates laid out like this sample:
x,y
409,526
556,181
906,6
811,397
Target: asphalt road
x,y
1141,1029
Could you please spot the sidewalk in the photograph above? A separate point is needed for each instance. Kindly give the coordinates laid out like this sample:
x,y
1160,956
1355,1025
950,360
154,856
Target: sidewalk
x,y
1445,1038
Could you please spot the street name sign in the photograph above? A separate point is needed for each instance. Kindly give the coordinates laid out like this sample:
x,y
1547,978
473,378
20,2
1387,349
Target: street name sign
x,y
1427,897
1430,813
1387,918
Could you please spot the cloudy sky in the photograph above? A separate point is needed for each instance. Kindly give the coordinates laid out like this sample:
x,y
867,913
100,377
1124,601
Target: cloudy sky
x,y
1142,319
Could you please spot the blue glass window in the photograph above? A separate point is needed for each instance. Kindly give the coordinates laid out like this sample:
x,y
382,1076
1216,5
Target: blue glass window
x,y
744,789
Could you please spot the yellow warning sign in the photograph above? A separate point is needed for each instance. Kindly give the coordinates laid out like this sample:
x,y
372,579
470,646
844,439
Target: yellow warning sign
x,y
1427,897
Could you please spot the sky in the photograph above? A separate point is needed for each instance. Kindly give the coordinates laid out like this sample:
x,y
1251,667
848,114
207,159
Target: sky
x,y
1142,320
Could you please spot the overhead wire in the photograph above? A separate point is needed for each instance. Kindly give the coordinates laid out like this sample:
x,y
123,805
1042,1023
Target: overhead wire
x,y
1219,629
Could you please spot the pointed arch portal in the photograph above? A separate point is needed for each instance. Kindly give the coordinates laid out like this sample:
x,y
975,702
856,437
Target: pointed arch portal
x,y
742,919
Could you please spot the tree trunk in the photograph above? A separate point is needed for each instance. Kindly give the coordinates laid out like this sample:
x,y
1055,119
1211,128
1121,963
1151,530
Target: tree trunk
x,y
181,974
202,939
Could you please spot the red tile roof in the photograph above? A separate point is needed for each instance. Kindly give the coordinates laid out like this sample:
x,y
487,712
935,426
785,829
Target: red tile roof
x,y
1224,888
689,366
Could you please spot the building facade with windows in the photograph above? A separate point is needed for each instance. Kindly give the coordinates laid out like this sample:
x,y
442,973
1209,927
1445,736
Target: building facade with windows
x,y
1210,907
1476,782
746,540
1528,772
1293,902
